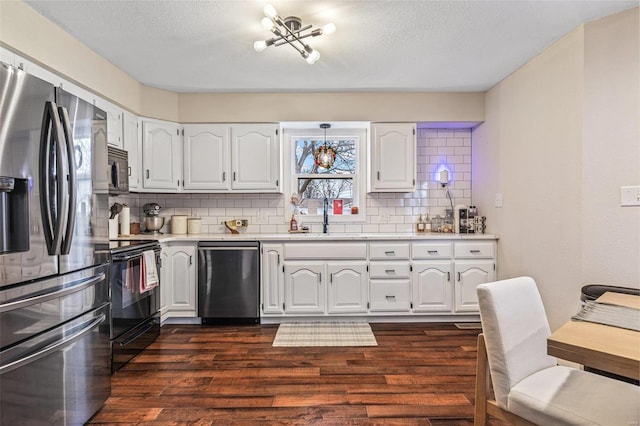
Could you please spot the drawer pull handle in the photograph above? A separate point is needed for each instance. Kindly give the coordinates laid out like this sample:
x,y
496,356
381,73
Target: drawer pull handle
x,y
390,271
475,251
390,253
433,252
390,298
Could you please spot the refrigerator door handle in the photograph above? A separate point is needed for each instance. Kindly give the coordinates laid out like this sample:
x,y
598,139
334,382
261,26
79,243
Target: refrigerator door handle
x,y
51,132
86,328
42,298
71,163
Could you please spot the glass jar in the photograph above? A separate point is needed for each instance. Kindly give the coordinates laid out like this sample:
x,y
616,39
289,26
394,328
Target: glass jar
x,y
436,224
448,221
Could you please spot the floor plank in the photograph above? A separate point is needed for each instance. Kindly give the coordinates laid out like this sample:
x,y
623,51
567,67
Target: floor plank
x,y
419,374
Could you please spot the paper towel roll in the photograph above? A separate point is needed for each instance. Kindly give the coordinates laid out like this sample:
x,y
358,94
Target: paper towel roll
x,y
125,221
113,228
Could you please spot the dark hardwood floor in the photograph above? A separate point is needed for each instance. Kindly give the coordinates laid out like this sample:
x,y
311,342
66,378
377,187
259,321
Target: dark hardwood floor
x,y
419,374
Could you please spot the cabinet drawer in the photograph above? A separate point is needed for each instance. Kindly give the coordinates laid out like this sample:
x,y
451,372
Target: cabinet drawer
x,y
474,250
325,251
432,250
390,295
389,251
389,270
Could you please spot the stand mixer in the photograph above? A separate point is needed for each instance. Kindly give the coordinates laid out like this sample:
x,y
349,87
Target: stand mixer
x,y
153,223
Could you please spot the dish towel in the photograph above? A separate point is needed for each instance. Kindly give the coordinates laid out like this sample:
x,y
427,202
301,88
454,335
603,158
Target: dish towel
x,y
148,271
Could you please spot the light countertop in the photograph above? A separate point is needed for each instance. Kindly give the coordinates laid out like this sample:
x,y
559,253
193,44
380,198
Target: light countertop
x,y
427,236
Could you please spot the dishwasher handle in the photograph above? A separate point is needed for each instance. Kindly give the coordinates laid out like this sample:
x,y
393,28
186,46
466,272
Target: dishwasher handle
x,y
223,248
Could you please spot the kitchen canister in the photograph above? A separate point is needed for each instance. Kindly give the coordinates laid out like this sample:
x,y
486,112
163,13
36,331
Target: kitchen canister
x,y
179,224
125,221
194,225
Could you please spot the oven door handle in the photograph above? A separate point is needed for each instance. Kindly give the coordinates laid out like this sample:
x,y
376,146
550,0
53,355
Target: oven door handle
x,y
125,257
53,295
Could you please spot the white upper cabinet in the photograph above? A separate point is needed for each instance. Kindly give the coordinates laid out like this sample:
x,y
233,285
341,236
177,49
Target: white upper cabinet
x,y
255,157
131,143
114,122
206,156
161,155
393,157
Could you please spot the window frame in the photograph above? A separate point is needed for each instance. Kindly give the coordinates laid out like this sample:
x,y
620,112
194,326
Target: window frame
x,y
359,131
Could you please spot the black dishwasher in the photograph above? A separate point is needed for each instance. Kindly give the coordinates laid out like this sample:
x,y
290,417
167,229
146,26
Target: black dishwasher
x,y
229,282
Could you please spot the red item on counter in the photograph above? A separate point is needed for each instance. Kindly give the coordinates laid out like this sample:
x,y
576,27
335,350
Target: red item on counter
x,y
337,206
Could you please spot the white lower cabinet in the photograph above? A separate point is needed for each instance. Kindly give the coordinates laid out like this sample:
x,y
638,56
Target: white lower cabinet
x,y
423,278
469,275
347,289
390,295
432,286
272,279
178,285
304,288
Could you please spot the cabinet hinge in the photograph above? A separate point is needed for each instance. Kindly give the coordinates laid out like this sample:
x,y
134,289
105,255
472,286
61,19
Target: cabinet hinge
x,y
414,132
277,132
494,266
414,181
177,132
183,131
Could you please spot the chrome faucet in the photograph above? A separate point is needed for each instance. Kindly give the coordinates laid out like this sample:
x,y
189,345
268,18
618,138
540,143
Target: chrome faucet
x,y
325,219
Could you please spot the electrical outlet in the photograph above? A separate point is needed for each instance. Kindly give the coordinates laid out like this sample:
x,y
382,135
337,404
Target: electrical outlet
x,y
262,218
384,215
497,202
629,196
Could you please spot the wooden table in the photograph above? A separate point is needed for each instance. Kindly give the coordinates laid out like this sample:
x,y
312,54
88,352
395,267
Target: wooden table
x,y
612,349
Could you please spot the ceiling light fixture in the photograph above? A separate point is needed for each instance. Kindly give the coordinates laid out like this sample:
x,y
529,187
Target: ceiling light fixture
x,y
290,31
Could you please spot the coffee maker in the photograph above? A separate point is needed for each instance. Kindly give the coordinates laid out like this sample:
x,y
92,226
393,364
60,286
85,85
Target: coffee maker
x,y
153,223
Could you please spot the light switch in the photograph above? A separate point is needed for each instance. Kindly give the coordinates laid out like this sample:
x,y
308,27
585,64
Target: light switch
x,y
497,202
630,196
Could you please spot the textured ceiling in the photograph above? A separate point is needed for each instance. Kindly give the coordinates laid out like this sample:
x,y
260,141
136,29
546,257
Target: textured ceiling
x,y
392,45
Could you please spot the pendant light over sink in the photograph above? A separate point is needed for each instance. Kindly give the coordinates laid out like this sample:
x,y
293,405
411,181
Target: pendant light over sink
x,y
290,31
325,155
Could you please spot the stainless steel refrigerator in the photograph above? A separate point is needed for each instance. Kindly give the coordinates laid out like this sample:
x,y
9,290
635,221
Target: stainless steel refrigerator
x,y
54,298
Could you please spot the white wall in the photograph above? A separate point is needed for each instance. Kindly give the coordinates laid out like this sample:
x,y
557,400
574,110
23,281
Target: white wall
x,y
560,136
611,151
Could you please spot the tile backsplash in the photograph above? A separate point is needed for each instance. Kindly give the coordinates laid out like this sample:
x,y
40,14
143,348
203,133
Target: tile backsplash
x,y
385,212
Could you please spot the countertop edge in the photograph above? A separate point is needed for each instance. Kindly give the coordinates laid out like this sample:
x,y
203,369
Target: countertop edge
x,y
165,238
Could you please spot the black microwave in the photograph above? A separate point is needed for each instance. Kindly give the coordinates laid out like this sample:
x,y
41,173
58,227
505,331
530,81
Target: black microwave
x,y
118,171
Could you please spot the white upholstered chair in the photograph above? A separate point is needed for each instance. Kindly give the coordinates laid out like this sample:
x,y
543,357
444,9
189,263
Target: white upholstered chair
x,y
529,386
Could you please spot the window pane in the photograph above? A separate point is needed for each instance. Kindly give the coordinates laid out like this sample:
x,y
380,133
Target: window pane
x,y
345,156
318,189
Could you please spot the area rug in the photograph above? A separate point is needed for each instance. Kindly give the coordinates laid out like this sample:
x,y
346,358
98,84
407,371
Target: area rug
x,y
325,334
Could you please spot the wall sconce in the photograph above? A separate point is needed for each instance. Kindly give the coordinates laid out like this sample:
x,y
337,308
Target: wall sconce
x,y
444,177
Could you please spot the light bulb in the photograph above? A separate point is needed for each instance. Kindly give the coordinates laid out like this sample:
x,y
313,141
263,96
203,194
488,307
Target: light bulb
x,y
267,23
270,11
260,45
314,55
330,28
